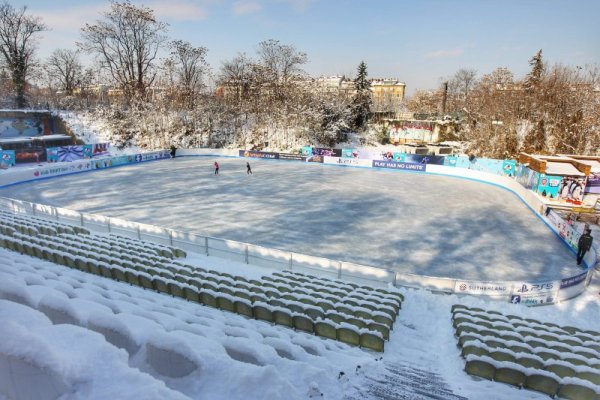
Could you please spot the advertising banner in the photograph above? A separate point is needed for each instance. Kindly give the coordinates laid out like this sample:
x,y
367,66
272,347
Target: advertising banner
x,y
349,153
412,131
7,157
548,185
321,151
572,281
528,178
63,169
398,165
509,167
483,288
357,162
532,294
34,154
100,149
565,228
307,151
258,154
68,153
450,161
593,183
288,156
423,159
572,188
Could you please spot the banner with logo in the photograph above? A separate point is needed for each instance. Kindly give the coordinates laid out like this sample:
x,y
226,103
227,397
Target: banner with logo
x,y
349,153
572,188
289,156
399,165
357,162
258,154
593,183
7,158
532,294
549,185
483,288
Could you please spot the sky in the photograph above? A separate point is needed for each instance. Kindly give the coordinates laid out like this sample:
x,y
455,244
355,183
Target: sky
x,y
417,42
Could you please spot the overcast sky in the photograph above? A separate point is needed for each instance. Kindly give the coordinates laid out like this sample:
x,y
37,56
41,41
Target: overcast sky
x,y
415,41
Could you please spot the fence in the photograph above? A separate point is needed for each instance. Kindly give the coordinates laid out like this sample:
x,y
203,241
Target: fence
x,y
531,293
542,292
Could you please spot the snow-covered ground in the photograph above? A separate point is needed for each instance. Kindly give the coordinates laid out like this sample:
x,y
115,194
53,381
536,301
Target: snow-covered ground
x,y
239,358
415,223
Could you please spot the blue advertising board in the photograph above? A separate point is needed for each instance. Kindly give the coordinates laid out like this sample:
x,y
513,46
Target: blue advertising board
x,y
7,157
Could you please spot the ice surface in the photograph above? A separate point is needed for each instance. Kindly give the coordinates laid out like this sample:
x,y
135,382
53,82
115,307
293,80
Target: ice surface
x,y
414,223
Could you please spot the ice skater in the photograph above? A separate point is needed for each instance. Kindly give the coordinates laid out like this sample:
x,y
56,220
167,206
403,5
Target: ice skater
x,y
584,244
248,169
216,168
173,151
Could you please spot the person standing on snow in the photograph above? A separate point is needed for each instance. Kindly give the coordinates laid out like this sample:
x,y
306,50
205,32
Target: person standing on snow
x,y
248,169
584,244
216,168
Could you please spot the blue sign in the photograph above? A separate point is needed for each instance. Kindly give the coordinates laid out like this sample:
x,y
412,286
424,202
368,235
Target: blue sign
x,y
399,165
568,282
7,157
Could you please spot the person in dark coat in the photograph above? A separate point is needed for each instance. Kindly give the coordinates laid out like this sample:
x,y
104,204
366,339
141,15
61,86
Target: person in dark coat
x,y
248,169
216,168
173,151
585,243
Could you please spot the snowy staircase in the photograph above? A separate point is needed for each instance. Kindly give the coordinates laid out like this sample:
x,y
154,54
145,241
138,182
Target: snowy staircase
x,y
403,381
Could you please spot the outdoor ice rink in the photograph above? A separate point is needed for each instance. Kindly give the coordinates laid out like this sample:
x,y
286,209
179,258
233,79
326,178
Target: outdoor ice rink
x,y
412,222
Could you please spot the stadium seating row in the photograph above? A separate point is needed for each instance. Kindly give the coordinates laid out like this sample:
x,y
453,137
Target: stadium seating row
x,y
543,357
188,282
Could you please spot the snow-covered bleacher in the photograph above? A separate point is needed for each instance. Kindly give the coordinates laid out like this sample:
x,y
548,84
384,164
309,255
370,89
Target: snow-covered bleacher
x,y
353,314
540,356
66,326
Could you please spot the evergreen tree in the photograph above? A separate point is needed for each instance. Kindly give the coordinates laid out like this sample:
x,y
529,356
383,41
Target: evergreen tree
x,y
361,83
534,78
361,103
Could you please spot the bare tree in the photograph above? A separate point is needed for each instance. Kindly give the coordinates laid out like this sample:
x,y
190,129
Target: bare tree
x,y
281,61
463,81
64,66
17,45
190,67
127,40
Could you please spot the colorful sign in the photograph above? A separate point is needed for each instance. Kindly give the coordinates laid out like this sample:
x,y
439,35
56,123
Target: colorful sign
x,y
548,185
307,151
7,157
349,153
100,149
593,183
509,167
412,131
572,188
528,178
398,165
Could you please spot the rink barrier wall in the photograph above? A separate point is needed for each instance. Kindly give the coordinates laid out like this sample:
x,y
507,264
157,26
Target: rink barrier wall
x,y
530,293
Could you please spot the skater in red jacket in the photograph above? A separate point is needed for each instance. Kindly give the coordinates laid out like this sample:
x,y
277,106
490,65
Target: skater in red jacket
x,y
216,168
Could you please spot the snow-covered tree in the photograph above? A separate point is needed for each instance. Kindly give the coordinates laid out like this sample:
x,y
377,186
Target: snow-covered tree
x,y
18,32
64,66
126,40
361,102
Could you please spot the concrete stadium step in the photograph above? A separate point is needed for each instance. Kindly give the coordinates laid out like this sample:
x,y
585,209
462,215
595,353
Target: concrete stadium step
x,y
403,382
